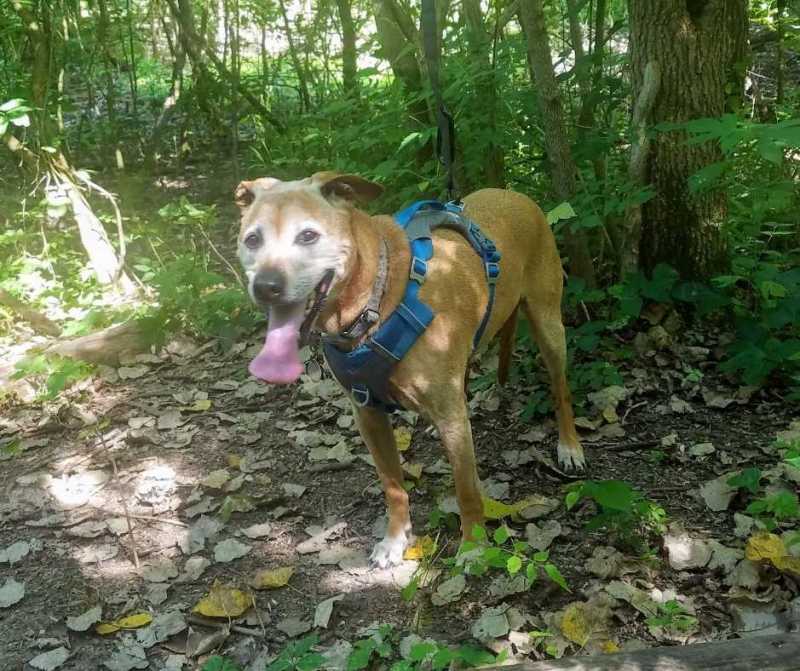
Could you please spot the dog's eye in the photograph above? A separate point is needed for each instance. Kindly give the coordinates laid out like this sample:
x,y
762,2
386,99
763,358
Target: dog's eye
x,y
252,241
307,237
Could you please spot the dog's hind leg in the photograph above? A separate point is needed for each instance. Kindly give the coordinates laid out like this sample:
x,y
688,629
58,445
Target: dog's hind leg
x,y
506,337
548,330
376,430
456,434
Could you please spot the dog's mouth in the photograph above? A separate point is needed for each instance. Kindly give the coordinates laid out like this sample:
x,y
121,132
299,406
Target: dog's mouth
x,y
288,328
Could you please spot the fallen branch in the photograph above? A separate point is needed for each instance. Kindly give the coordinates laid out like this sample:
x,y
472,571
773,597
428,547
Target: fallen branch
x,y
105,346
37,320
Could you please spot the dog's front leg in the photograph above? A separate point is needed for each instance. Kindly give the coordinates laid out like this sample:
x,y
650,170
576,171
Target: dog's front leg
x,y
456,434
376,430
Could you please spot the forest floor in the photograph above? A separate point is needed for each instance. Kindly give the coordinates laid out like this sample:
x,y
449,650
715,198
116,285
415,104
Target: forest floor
x,y
222,477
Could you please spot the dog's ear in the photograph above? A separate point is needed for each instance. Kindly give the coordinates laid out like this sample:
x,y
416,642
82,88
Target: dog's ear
x,y
347,187
246,192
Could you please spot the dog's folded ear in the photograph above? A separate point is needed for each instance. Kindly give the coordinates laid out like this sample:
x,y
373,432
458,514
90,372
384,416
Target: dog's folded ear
x,y
347,187
245,192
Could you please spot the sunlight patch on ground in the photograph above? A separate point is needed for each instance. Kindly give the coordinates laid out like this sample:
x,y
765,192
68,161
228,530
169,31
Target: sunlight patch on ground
x,y
76,490
358,580
156,482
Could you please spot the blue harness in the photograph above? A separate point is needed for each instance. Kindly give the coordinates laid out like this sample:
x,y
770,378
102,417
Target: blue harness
x,y
365,370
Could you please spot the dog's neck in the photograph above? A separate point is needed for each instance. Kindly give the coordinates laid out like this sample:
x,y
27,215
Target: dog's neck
x,y
352,296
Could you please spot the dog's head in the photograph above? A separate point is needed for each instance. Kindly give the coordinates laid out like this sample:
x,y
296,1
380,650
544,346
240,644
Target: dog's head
x,y
292,236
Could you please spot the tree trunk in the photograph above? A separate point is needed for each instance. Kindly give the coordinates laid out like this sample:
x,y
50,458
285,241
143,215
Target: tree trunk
x,y
397,38
700,47
349,53
555,134
305,98
486,89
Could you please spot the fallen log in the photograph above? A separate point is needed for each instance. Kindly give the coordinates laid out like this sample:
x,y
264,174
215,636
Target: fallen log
x,y
39,322
779,652
105,346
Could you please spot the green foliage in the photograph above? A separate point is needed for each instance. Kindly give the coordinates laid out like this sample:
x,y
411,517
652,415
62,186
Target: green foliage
x,y
14,113
623,512
298,656
217,663
504,553
673,617
53,373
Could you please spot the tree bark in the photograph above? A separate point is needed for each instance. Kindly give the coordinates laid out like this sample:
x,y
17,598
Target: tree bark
x,y
40,323
555,134
486,88
349,53
397,37
701,47
305,98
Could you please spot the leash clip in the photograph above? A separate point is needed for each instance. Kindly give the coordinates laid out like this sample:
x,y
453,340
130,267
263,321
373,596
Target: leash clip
x,y
322,291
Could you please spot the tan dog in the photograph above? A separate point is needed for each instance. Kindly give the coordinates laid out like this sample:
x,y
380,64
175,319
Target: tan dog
x,y
293,233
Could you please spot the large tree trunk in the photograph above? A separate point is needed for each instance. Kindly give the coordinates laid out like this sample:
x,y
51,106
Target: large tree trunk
x,y
483,63
555,134
700,48
349,53
397,36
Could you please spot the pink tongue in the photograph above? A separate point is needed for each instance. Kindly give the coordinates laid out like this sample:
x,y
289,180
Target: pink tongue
x,y
279,359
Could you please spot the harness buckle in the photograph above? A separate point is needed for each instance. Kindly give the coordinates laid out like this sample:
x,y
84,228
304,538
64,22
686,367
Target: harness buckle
x,y
366,319
492,272
419,269
360,394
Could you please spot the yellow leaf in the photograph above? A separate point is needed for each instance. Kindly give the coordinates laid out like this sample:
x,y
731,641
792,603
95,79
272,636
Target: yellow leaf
x,y
200,405
414,470
234,461
495,510
402,438
764,547
273,578
130,622
223,601
574,624
609,647
788,563
423,547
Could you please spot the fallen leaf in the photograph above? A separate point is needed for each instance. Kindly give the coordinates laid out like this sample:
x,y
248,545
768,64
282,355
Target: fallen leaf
x,y
14,552
324,610
449,590
200,405
11,592
423,547
171,419
684,551
230,550
541,537
85,620
201,641
293,626
128,655
258,530
216,479
272,578
131,372
161,628
717,493
294,491
770,547
129,622
223,601
193,569
160,571
402,438
48,661
493,623
414,470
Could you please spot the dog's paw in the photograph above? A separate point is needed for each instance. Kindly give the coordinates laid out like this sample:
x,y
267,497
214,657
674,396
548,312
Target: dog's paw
x,y
571,458
389,552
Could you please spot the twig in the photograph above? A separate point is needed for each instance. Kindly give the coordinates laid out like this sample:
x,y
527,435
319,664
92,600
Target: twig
x,y
633,445
331,466
203,622
176,523
222,258
124,503
633,407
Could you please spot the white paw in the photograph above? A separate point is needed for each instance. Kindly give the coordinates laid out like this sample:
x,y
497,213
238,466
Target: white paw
x,y
571,458
389,552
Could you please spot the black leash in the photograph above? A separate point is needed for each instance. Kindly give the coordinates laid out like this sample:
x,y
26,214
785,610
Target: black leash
x,y
446,136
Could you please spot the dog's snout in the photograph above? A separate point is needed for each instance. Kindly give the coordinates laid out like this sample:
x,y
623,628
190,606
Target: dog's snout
x,y
269,285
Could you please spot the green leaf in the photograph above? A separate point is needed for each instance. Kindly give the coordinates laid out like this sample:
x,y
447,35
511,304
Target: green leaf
x,y
562,211
572,498
21,121
501,535
748,479
555,575
513,565
217,663
479,533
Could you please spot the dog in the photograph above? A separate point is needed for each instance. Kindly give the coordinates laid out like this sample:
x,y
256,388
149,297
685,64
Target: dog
x,y
296,236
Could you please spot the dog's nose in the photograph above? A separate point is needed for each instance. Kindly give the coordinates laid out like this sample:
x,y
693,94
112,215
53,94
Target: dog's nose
x,y
268,285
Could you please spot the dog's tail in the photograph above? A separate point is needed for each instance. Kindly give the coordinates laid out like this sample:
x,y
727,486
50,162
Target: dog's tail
x,y
506,335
